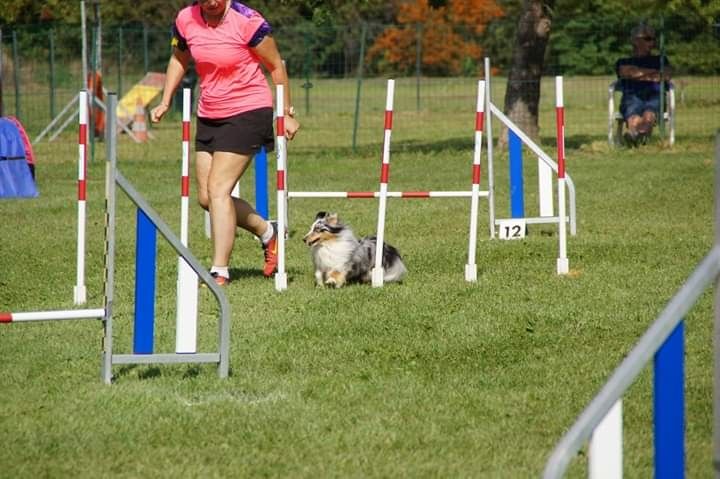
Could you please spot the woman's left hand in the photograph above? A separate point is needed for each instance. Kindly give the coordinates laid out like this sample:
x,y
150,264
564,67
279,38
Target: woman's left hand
x,y
291,127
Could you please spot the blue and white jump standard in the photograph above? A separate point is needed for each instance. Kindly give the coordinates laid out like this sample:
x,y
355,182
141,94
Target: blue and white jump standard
x,y
149,224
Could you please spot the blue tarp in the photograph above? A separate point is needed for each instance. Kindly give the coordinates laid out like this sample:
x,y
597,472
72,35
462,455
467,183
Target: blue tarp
x,y
16,179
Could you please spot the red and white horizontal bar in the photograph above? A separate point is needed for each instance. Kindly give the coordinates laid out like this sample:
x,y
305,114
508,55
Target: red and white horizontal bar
x,y
376,194
7,317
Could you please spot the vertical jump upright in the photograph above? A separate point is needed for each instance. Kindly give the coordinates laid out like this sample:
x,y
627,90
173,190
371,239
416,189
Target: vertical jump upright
x,y
562,262
80,291
471,266
377,271
281,149
489,137
187,285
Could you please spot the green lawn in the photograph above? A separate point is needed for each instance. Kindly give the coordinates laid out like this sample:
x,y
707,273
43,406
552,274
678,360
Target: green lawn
x,y
433,377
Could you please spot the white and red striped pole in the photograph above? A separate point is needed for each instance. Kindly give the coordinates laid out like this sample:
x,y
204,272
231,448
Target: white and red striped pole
x,y
562,261
8,317
80,291
359,195
471,266
281,146
377,272
187,283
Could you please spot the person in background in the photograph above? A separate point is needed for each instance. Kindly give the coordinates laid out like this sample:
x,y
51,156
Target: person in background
x,y
640,79
229,44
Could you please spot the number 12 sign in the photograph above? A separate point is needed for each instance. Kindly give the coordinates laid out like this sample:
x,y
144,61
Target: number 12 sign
x,y
512,229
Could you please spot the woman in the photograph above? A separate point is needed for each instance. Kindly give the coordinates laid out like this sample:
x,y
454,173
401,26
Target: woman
x,y
228,42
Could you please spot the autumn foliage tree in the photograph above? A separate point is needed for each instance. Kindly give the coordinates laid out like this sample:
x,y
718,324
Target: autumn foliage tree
x,y
448,33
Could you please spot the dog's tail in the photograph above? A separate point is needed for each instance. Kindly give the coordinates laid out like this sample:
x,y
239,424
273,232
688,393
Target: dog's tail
x,y
392,263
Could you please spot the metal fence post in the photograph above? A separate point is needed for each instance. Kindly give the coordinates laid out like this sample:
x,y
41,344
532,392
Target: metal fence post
x,y
146,59
119,61
1,74
663,83
716,403
16,73
307,63
51,59
418,62
361,62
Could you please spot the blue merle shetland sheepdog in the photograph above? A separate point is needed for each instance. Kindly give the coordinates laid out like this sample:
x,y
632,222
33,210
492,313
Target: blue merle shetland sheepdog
x,y
339,257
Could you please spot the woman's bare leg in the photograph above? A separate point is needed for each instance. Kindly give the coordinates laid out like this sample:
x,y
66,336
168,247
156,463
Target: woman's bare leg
x,y
225,170
216,176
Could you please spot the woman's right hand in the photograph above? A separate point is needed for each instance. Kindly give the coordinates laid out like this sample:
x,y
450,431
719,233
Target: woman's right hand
x,y
158,112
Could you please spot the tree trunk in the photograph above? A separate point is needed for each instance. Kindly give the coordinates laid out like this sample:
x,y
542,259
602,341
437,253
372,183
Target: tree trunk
x,y
523,89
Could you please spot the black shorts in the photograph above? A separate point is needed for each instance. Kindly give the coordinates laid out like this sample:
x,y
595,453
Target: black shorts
x,y
244,133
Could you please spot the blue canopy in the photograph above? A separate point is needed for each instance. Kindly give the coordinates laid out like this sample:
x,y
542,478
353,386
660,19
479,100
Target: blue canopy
x,y
16,179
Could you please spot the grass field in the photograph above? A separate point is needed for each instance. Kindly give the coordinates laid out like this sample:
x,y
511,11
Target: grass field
x,y
433,377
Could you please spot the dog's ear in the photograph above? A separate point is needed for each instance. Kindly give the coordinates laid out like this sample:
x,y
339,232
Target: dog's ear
x,y
332,219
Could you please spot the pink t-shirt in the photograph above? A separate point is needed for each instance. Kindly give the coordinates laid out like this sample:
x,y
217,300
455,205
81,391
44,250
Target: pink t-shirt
x,y
231,78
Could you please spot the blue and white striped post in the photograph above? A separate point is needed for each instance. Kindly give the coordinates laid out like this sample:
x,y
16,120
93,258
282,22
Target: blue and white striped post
x,y
517,187
669,406
145,259
261,184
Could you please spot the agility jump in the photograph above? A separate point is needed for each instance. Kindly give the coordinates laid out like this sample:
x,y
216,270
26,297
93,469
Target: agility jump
x,y
383,194
109,357
483,104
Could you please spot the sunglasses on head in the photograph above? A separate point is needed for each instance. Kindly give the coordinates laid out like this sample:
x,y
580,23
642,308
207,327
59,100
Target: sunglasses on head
x,y
646,38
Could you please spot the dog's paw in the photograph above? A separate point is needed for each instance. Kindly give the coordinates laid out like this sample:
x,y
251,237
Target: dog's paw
x,y
319,279
336,279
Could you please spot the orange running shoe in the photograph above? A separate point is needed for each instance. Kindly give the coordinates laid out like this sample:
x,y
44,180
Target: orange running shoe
x,y
270,252
220,280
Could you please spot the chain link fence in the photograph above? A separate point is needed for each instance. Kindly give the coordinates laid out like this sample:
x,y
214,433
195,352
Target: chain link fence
x,y
338,76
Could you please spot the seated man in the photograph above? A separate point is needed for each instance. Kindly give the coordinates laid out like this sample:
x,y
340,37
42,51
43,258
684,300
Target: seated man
x,y
640,76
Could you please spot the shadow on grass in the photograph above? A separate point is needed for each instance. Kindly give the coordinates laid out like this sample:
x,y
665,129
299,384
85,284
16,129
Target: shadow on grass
x,y
373,149
245,273
191,372
237,274
153,372
150,372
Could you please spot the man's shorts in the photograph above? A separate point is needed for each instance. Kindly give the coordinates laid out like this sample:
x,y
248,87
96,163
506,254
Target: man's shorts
x,y
632,104
244,133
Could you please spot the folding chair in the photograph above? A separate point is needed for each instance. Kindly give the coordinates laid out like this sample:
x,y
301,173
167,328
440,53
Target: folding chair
x,y
616,122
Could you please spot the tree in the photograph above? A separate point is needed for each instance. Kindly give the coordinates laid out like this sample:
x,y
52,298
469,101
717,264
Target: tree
x,y
449,32
156,13
522,95
588,36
